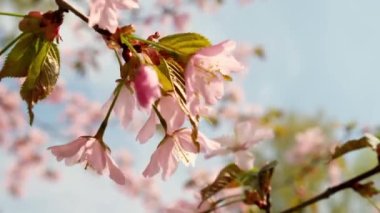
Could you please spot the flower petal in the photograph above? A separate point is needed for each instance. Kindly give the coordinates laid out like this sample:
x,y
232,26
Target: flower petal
x,y
114,171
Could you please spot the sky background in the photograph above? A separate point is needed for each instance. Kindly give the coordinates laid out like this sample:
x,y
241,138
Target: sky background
x,y
321,55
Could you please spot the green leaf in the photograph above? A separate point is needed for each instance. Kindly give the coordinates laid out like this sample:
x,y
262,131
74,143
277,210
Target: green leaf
x,y
184,44
366,190
21,56
367,141
42,75
164,77
226,179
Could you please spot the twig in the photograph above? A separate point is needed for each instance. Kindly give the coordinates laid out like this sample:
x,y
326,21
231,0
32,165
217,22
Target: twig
x,y
332,190
63,5
223,205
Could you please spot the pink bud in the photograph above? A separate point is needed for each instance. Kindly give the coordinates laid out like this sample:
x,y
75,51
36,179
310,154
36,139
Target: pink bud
x,y
146,86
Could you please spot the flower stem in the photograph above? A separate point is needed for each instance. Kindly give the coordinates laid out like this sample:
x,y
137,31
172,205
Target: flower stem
x,y
12,14
99,134
125,41
63,5
330,191
10,44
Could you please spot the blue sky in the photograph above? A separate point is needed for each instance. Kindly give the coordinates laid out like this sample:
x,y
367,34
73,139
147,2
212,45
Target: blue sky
x,y
321,55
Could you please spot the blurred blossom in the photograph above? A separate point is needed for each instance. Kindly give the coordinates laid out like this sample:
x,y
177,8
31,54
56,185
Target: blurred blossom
x,y
58,94
105,12
81,114
200,178
181,21
183,206
311,141
244,52
208,5
51,175
335,173
245,136
124,105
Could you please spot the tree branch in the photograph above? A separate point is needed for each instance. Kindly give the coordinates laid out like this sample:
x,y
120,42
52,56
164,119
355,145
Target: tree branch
x,y
63,5
332,190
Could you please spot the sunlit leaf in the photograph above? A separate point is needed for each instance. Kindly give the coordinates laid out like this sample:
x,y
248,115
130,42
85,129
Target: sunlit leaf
x,y
366,189
42,75
164,77
185,44
367,141
20,57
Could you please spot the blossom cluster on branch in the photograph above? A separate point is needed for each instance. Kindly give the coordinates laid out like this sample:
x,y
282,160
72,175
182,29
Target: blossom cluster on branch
x,y
176,82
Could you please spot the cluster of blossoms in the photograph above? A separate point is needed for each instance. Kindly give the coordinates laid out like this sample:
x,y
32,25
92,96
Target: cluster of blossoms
x,y
140,88
174,85
193,83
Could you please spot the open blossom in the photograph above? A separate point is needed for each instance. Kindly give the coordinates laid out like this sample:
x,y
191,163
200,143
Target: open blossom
x,y
92,152
206,70
174,148
105,12
170,111
147,86
246,135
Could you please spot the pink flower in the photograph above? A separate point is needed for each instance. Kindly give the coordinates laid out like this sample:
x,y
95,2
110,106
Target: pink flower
x,y
124,106
245,137
147,86
91,151
174,148
105,12
205,72
170,111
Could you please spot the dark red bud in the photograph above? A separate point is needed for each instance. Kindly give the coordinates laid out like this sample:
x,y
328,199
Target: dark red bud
x,y
127,54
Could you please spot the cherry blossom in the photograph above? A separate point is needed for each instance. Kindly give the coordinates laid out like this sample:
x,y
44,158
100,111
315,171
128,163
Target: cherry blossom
x,y
170,111
105,12
206,70
246,135
93,153
174,148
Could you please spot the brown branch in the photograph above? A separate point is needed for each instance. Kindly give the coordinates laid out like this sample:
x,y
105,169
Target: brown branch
x,y
332,190
64,6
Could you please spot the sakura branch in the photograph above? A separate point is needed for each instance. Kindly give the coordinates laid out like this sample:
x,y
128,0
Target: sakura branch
x,y
174,82
349,184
